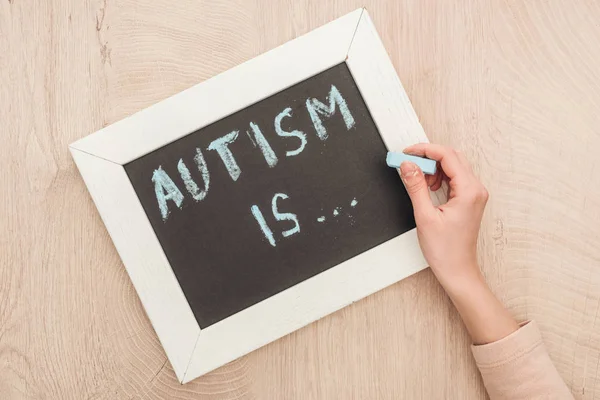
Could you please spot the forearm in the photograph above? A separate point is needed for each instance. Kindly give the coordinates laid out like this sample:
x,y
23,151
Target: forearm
x,y
484,316
512,360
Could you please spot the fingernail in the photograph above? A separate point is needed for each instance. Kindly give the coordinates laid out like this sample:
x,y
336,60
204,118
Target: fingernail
x,y
408,169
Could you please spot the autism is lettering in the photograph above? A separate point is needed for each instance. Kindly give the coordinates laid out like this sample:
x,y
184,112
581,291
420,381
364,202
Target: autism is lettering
x,y
169,194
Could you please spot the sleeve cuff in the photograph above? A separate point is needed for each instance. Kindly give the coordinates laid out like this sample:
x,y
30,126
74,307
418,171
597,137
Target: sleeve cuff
x,y
512,347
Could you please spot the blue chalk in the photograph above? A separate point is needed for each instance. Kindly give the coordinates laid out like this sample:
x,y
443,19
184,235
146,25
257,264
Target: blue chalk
x,y
427,166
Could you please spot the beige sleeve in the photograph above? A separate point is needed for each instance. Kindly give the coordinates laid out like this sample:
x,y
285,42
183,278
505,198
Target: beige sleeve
x,y
518,367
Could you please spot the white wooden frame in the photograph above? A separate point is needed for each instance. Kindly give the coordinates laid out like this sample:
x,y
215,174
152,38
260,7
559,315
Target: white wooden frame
x,y
102,155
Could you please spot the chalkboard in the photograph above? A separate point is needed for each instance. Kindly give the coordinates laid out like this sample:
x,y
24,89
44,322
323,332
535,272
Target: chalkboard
x,y
271,195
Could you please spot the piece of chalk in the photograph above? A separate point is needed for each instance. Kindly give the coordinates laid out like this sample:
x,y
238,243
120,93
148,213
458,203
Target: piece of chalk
x,y
427,166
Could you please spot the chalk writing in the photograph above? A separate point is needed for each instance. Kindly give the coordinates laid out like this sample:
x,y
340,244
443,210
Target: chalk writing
x,y
258,215
299,134
315,107
284,216
263,224
221,145
190,185
165,190
264,146
338,210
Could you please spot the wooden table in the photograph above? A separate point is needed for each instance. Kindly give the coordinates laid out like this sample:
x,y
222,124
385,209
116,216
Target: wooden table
x,y
514,84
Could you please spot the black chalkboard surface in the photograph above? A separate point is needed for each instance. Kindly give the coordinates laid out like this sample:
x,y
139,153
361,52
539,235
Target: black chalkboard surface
x,y
271,195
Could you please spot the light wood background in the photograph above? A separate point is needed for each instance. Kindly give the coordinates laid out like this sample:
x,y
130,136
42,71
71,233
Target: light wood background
x,y
514,84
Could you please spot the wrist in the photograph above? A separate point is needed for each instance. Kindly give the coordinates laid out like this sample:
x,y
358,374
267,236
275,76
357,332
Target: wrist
x,y
468,290
461,280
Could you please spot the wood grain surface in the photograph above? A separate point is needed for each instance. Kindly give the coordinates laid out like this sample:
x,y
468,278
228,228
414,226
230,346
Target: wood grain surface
x,y
513,84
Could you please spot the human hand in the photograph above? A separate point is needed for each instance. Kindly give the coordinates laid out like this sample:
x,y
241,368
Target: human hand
x,y
448,233
448,237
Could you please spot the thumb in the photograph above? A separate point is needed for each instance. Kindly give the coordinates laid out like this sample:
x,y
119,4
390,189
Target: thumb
x,y
417,189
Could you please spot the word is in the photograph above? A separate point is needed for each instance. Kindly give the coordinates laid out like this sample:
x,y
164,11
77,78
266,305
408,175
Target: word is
x,y
258,215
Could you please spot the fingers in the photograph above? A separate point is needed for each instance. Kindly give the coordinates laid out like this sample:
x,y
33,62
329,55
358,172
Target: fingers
x,y
463,186
446,156
417,189
431,179
437,182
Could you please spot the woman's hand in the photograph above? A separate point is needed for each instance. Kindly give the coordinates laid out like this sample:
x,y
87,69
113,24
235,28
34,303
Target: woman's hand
x,y
448,233
448,237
